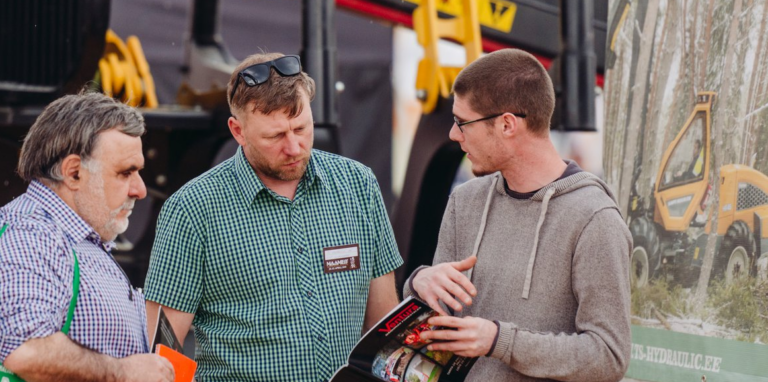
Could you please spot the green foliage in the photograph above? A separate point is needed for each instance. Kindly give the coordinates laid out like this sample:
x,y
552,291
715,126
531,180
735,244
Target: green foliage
x,y
743,306
671,300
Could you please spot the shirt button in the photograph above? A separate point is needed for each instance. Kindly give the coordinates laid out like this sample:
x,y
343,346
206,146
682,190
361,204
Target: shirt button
x,y
309,293
320,338
301,250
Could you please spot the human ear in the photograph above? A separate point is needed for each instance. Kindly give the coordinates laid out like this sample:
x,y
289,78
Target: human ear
x,y
236,128
510,125
71,169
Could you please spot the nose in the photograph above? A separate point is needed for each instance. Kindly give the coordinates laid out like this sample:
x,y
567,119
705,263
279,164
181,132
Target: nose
x,y
292,146
455,134
137,188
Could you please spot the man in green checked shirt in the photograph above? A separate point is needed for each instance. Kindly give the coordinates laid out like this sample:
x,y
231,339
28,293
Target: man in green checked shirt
x,y
281,255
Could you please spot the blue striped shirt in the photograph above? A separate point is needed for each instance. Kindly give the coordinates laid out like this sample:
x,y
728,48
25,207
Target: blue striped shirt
x,y
36,270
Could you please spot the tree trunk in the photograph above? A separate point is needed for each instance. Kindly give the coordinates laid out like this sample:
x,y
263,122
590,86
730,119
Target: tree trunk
x,y
720,120
749,145
639,94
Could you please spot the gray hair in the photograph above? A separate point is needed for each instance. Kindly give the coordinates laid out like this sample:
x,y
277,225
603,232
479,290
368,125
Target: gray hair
x,y
71,125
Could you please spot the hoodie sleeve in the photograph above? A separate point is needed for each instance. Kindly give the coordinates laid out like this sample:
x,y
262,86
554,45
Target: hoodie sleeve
x,y
446,245
600,349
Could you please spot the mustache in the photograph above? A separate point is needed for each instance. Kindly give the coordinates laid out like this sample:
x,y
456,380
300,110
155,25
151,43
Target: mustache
x,y
128,205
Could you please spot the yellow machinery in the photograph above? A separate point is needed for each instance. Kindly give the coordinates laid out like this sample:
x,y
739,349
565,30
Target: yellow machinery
x,y
670,235
124,72
434,80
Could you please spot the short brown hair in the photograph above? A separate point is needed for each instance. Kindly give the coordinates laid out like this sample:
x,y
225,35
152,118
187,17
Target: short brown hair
x,y
509,80
277,93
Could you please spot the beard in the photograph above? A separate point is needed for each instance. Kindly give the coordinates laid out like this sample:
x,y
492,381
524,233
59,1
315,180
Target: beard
x,y
262,165
91,204
115,224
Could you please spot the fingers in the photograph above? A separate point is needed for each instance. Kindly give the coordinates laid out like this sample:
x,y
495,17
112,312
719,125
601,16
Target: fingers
x,y
460,278
465,264
448,299
167,369
460,286
434,303
460,348
445,283
449,322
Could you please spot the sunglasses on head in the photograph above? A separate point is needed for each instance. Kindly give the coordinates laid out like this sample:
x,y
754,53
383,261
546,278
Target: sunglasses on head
x,y
258,74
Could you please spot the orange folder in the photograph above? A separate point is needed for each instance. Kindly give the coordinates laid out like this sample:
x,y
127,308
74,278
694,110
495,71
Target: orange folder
x,y
183,367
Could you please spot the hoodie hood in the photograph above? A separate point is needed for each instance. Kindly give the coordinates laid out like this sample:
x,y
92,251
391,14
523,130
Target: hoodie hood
x,y
559,187
579,179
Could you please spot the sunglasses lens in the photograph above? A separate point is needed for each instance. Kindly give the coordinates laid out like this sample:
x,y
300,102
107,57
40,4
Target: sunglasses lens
x,y
288,65
260,74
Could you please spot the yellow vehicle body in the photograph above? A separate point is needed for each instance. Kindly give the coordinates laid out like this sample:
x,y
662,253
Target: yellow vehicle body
x,y
675,242
743,190
743,193
679,198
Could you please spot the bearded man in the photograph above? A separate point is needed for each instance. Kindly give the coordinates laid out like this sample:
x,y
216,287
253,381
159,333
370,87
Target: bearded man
x,y
67,310
280,255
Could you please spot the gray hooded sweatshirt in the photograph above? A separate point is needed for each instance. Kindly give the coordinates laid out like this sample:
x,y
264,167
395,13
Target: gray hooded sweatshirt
x,y
552,270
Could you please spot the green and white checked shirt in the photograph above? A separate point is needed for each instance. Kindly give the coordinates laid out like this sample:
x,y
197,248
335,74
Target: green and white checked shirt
x,y
249,264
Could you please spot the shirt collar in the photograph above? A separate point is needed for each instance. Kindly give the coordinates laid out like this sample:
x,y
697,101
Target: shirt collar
x,y
251,185
64,217
315,171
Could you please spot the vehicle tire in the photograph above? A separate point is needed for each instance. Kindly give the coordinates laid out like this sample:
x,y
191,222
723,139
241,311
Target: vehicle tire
x,y
645,252
736,256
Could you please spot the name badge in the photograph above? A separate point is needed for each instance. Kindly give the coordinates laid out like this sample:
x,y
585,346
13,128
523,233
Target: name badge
x,y
341,258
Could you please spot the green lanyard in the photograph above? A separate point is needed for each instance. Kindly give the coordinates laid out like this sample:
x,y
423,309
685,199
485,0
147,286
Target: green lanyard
x,y
5,374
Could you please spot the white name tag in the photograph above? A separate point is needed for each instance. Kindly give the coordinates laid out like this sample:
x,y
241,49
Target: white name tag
x,y
341,258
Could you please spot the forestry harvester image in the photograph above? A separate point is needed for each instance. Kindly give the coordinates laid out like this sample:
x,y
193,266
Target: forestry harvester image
x,y
671,228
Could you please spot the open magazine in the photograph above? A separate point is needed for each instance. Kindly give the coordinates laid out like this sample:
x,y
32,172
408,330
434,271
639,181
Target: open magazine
x,y
165,344
393,351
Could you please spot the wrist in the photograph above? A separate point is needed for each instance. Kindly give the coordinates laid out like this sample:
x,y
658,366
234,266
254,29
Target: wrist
x,y
495,338
117,372
411,287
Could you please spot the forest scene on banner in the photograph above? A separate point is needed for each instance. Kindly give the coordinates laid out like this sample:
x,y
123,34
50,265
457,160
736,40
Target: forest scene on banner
x,y
686,149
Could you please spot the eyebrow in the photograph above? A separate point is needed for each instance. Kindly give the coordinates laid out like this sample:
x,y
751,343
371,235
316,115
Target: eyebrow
x,y
133,168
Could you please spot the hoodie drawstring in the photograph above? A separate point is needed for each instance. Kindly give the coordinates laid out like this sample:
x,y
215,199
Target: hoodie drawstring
x,y
483,221
529,271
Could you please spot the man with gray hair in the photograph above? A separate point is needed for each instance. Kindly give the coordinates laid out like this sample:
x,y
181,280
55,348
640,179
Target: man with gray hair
x,y
67,310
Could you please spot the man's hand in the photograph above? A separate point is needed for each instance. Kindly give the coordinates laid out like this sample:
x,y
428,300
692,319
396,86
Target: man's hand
x,y
473,336
146,368
445,282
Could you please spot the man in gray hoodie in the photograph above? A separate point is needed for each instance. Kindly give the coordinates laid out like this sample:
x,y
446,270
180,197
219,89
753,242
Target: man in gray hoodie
x,y
533,255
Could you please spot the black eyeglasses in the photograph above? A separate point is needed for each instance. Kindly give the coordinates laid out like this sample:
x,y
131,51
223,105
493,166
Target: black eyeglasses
x,y
459,124
257,74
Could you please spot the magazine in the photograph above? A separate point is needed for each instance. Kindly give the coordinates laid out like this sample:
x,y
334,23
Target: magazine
x,y
164,334
393,351
165,344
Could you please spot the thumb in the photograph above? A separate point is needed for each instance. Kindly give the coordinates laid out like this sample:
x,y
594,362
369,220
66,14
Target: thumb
x,y
465,264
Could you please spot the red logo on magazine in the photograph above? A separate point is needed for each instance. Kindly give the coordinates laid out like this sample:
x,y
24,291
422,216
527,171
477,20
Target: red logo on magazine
x,y
399,318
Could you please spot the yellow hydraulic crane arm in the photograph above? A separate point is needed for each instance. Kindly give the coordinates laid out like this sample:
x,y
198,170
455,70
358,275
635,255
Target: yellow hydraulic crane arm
x,y
432,79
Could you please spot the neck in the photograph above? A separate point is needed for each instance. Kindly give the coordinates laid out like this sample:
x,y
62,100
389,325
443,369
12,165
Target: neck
x,y
67,195
536,163
64,193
